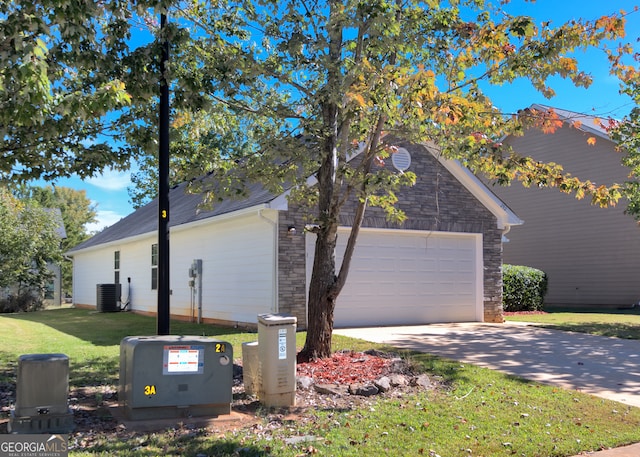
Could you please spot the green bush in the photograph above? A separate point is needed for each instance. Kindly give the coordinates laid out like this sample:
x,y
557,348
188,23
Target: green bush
x,y
523,288
23,302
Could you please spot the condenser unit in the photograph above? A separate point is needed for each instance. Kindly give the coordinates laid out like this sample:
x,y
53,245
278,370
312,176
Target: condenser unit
x,y
108,298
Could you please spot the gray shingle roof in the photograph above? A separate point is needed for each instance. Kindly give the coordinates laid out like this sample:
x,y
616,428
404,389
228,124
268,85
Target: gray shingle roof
x,y
184,208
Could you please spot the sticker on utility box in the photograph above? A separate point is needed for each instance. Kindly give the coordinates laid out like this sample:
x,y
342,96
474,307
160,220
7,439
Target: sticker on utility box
x,y
282,344
187,359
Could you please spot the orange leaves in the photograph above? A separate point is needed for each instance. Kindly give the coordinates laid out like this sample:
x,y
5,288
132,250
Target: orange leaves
x,y
610,124
568,64
548,121
591,141
613,26
358,98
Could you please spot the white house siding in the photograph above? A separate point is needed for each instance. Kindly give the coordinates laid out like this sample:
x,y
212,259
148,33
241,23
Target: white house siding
x,y
96,266
238,257
238,274
590,254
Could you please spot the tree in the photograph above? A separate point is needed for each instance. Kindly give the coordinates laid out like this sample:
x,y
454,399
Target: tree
x,y
28,242
68,83
311,85
201,142
77,211
627,134
318,82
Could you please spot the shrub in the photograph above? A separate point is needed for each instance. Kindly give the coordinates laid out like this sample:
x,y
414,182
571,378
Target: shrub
x,y
523,288
23,302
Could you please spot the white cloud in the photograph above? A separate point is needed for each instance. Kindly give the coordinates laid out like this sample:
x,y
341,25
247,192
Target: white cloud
x,y
111,180
104,219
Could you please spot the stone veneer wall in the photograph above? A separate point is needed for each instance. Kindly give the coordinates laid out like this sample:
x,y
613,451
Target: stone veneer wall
x,y
437,202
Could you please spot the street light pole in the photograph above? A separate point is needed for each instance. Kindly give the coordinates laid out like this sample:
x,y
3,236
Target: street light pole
x,y
163,189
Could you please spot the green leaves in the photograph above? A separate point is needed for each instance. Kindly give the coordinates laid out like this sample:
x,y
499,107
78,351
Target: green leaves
x,y
28,241
67,78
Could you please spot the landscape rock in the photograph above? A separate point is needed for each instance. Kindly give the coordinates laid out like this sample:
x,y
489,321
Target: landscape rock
x,y
398,380
363,390
328,389
304,382
383,384
423,381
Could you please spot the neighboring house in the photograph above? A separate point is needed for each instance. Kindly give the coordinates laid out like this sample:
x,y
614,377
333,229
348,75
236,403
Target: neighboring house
x,y
53,293
442,265
590,254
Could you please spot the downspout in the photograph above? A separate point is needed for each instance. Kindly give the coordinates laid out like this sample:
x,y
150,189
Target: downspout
x,y
276,257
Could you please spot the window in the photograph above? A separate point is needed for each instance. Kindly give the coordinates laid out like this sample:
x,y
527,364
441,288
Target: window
x,y
154,267
116,267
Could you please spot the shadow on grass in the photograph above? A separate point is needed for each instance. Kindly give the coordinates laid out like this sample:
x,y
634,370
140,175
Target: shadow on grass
x,y
593,310
108,329
157,444
617,330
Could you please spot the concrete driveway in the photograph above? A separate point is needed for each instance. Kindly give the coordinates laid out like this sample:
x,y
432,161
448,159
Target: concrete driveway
x,y
606,367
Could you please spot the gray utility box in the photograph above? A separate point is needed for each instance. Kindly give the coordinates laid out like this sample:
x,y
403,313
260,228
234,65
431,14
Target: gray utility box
x,y
277,355
163,377
42,393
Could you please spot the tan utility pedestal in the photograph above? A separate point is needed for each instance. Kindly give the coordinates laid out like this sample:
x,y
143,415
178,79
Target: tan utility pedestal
x,y
250,368
277,353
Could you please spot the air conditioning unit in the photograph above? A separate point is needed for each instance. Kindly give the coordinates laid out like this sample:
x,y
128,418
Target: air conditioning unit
x,y
108,298
42,392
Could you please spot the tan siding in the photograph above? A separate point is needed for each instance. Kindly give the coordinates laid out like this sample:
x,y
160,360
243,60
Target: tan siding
x,y
591,254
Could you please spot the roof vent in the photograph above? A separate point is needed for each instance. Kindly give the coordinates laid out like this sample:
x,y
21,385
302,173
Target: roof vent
x,y
401,159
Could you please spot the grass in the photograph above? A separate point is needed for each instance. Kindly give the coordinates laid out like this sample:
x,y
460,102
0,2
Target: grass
x,y
478,412
606,322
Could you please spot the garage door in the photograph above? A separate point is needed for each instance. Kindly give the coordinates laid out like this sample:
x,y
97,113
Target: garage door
x,y
409,277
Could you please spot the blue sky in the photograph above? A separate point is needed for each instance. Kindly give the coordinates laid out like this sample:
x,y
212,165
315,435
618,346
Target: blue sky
x,y
108,192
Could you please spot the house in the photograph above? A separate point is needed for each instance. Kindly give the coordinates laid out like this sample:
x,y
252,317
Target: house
x,y
53,293
442,265
590,254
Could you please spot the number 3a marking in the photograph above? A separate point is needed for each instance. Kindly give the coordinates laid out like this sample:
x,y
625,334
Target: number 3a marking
x,y
150,390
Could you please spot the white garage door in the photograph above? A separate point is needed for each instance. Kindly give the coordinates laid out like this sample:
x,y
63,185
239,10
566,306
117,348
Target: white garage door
x,y
409,277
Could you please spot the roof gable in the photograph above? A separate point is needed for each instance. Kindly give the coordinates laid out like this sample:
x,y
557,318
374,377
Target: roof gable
x,y
185,208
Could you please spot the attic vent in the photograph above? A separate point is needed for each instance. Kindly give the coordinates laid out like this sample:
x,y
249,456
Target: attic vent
x,y
401,159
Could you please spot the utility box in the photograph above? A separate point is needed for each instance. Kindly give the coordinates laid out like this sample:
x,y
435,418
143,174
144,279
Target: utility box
x,y
251,368
163,377
42,393
277,354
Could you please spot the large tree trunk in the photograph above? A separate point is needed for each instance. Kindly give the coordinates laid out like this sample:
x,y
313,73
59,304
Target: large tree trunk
x,y
321,302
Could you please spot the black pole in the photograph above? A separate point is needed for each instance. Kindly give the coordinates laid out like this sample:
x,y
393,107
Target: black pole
x,y
163,190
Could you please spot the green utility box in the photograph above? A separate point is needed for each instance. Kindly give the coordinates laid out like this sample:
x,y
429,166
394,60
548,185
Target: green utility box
x,y
42,391
171,376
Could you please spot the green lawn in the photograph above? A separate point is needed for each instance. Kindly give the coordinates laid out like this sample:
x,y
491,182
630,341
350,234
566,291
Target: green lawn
x,y
605,322
477,412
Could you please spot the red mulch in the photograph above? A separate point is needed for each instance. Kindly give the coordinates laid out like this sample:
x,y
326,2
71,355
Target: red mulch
x,y
345,368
